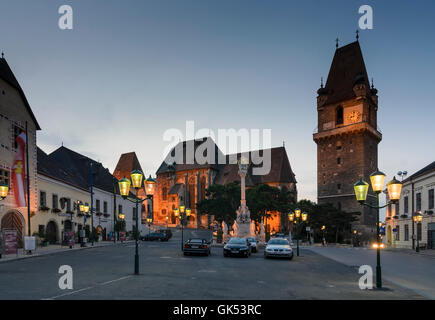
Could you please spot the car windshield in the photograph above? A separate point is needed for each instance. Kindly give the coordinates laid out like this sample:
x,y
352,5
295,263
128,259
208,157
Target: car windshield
x,y
237,241
252,239
278,241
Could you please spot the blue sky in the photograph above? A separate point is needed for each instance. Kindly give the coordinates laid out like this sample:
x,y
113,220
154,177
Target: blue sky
x,y
129,70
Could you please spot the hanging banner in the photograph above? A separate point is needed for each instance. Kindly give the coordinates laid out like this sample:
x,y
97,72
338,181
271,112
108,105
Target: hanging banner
x,y
18,172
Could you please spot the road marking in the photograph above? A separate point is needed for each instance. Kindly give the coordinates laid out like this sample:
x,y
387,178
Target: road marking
x,y
165,257
206,270
68,293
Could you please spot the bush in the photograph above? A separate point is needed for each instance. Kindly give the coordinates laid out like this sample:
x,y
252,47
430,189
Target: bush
x,y
219,236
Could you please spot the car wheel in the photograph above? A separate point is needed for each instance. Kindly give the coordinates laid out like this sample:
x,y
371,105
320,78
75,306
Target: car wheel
x,y
291,257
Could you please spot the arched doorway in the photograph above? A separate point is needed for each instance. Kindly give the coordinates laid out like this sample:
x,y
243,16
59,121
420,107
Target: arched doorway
x,y
14,220
51,232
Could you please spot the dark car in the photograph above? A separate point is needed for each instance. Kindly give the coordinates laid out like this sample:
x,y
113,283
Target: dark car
x,y
168,232
155,236
197,246
237,247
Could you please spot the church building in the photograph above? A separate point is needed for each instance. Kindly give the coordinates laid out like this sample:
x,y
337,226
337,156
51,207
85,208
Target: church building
x,y
348,135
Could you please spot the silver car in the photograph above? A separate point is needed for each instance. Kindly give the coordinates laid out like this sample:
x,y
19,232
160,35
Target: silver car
x,y
278,247
254,244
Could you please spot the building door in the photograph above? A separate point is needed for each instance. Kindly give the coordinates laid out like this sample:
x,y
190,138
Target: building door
x,y
12,220
431,235
68,225
51,232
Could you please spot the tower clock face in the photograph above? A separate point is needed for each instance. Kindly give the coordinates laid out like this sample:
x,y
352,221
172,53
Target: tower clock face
x,y
354,116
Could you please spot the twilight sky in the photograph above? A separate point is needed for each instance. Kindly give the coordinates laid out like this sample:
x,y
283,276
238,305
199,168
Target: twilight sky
x,y
130,70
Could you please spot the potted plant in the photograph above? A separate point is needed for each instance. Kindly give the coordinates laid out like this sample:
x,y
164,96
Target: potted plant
x,y
403,216
106,215
44,208
99,213
55,210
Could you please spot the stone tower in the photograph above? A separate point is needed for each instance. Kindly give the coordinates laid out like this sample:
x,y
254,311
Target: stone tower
x,y
347,137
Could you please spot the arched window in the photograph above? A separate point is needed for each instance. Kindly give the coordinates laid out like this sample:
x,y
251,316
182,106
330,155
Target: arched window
x,y
339,115
164,193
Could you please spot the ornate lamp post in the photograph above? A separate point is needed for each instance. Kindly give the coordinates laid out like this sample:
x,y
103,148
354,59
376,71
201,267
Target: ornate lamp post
x,y
124,188
297,218
183,214
417,220
361,188
4,189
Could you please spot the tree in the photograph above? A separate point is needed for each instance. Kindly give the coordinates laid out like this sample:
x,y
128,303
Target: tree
x,y
222,202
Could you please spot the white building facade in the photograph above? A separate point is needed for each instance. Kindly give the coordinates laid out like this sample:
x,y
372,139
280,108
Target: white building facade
x,y
417,198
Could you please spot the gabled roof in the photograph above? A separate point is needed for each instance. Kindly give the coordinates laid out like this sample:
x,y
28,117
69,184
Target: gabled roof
x,y
347,69
7,75
53,169
126,164
78,166
280,169
430,167
177,160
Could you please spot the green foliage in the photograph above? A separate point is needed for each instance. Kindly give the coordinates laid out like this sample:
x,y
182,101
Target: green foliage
x,y
222,202
338,223
219,236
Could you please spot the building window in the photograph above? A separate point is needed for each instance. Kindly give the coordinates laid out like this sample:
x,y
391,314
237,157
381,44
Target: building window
x,y
68,204
406,232
97,205
431,198
397,233
339,115
389,210
405,207
397,209
339,187
119,209
419,231
42,199
55,202
338,160
134,214
164,194
418,201
105,206
5,177
17,132
338,145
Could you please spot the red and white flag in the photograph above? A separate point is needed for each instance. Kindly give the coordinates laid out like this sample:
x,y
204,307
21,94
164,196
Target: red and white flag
x,y
19,172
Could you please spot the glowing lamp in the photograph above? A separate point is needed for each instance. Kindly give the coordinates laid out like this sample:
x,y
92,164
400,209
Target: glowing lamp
x,y
4,189
323,228
304,216
82,207
297,213
150,185
86,208
291,216
121,216
182,208
176,212
377,180
188,212
136,179
394,188
149,220
124,187
418,217
361,188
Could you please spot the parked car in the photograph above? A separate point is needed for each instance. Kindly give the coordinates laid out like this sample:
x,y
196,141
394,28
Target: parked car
x,y
196,246
237,246
155,236
168,232
279,235
254,244
278,247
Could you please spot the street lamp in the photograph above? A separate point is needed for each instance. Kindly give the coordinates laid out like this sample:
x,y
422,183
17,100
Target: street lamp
x,y
182,214
149,220
417,219
124,188
4,189
394,188
297,218
323,228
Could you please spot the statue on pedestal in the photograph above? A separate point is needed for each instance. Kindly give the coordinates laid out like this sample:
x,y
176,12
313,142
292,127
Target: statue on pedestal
x,y
243,226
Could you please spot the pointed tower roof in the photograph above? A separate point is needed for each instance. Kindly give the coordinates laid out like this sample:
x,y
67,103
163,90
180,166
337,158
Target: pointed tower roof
x,y
7,75
347,69
126,164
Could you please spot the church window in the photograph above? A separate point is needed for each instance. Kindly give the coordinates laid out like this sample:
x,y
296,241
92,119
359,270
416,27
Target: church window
x,y
339,115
